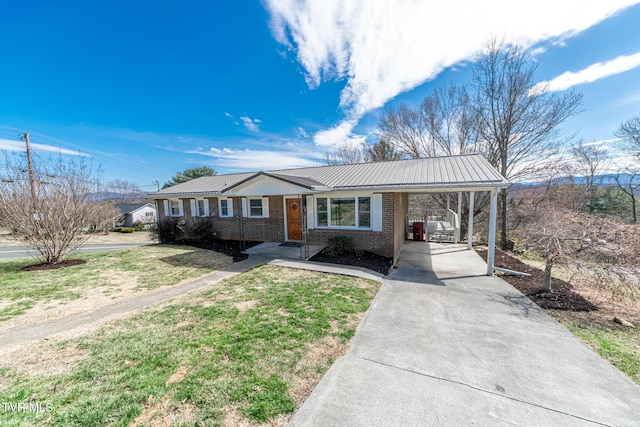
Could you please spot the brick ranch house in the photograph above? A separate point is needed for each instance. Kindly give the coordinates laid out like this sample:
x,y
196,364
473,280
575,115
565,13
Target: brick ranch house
x,y
366,202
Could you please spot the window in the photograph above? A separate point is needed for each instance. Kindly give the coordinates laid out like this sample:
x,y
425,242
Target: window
x,y
255,207
323,214
364,212
224,207
200,208
344,212
149,214
175,207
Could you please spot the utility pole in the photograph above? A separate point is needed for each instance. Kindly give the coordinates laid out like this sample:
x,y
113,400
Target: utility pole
x,y
31,177
157,183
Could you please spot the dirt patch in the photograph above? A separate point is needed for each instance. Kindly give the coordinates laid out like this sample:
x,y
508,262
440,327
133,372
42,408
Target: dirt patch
x,y
562,297
364,259
42,359
62,264
246,305
164,413
178,375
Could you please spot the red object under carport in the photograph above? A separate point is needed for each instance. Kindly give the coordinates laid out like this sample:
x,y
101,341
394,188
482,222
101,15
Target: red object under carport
x,y
418,231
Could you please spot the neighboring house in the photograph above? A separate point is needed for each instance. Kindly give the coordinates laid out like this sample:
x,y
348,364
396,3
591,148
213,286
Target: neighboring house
x,y
132,213
367,202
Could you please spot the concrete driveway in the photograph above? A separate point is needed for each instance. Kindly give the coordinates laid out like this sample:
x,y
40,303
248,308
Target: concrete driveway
x,y
444,345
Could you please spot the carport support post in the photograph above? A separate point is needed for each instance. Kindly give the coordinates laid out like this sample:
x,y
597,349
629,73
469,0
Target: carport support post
x,y
472,196
459,212
493,213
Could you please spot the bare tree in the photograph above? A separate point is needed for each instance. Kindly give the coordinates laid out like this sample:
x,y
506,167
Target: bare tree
x,y
629,132
450,121
347,154
578,240
590,161
405,128
518,120
628,181
443,124
123,191
51,209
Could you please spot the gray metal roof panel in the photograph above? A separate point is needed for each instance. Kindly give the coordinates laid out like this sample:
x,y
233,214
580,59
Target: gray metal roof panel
x,y
470,170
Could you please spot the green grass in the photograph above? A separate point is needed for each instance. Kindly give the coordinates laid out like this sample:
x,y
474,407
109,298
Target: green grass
x,y
149,266
239,345
620,346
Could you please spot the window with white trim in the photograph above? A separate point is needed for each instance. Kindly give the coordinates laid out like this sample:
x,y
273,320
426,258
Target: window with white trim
x,y
174,207
225,208
344,212
255,208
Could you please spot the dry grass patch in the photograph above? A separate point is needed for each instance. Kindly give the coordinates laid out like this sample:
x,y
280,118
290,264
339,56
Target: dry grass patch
x,y
32,297
250,358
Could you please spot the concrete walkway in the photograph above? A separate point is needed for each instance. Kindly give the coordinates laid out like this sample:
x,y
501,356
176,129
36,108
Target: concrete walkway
x,y
444,345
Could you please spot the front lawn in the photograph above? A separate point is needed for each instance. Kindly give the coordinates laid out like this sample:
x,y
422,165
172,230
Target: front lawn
x,y
112,274
248,349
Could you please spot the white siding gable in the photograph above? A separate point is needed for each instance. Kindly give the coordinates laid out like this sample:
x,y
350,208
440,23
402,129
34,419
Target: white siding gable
x,y
267,186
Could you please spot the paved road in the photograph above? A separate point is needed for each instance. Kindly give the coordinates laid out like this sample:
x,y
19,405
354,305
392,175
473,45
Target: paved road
x,y
444,345
10,252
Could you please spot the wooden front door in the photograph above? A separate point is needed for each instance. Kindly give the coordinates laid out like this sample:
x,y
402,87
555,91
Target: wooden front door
x,y
294,219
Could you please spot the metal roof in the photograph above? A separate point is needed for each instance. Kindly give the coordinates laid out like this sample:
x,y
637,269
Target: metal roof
x,y
464,171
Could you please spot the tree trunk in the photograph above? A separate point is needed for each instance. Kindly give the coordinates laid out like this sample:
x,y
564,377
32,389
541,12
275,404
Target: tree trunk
x,y
502,208
546,285
633,208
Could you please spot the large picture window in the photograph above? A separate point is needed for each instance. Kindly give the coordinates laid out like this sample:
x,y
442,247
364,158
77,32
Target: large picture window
x,y
344,212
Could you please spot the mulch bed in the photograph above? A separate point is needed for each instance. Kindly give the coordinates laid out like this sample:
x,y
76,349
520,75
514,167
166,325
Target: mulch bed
x,y
562,296
364,259
66,263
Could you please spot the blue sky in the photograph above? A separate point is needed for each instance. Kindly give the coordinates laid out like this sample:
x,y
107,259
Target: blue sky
x,y
149,88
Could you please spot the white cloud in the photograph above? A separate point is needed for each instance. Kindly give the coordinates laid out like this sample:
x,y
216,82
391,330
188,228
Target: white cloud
x,y
250,123
256,160
592,73
383,48
10,145
228,114
338,135
303,133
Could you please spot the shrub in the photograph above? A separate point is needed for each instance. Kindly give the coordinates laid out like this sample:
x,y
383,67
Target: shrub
x,y
166,230
339,245
127,229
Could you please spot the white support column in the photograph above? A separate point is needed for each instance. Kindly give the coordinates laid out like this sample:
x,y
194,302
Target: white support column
x,y
472,196
459,212
492,232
